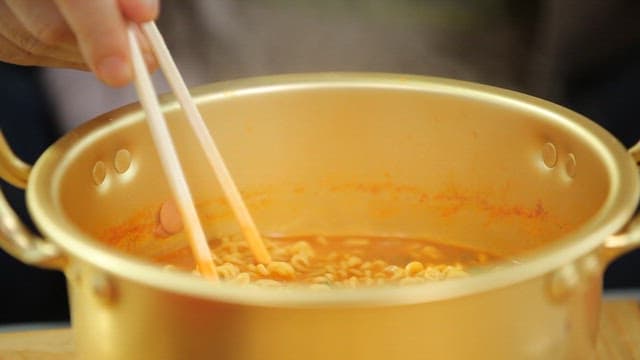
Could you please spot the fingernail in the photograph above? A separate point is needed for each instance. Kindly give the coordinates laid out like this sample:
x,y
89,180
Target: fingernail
x,y
114,70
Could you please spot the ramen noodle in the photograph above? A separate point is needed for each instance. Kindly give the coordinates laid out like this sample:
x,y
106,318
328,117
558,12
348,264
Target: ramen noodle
x,y
326,262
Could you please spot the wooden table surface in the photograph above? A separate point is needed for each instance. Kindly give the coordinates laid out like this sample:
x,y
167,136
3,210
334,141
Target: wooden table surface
x,y
619,337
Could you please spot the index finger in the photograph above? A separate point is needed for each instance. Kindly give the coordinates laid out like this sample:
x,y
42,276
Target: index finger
x,y
101,31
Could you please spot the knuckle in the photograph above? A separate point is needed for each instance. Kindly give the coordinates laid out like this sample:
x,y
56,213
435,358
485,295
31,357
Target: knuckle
x,y
52,34
29,44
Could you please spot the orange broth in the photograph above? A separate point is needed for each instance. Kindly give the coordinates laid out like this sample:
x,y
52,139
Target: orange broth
x,y
336,261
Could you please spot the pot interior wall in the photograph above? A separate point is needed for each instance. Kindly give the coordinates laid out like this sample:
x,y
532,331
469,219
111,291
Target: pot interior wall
x,y
446,166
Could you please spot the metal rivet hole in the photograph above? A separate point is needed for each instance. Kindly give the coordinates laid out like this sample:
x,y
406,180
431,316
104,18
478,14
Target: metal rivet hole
x,y
104,288
99,172
590,266
563,282
549,155
122,160
570,166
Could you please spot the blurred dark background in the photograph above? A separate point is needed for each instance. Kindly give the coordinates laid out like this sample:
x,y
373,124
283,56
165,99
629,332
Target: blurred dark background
x,y
27,294
589,61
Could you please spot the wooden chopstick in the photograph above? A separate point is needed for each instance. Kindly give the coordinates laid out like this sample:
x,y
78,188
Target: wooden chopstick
x,y
169,160
207,143
168,66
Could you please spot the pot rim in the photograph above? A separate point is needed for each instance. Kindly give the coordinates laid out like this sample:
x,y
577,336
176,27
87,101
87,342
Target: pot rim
x,y
617,209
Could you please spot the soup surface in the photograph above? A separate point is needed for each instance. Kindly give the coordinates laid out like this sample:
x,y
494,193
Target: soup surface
x,y
335,262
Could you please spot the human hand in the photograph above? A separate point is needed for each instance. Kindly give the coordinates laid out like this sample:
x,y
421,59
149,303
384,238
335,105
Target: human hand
x,y
80,34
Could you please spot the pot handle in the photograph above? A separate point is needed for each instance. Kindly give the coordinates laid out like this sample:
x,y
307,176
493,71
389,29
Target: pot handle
x,y
15,238
635,152
629,237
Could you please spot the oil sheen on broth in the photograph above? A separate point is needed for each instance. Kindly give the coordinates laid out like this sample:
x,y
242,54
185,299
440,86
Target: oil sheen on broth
x,y
325,262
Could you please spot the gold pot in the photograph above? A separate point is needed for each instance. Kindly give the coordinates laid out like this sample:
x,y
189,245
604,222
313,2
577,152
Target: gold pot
x,y
343,154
